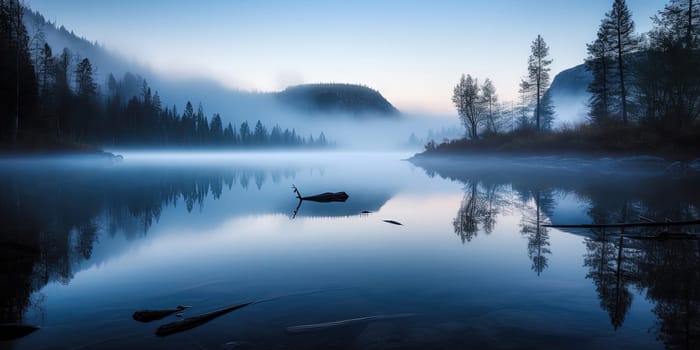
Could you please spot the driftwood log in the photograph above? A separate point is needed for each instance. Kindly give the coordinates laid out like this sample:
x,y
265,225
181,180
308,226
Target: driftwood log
x,y
325,197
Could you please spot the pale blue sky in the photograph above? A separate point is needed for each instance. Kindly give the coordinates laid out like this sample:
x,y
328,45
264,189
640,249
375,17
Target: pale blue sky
x,y
411,51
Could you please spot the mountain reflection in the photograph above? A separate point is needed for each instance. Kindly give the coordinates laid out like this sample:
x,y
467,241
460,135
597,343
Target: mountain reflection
x,y
667,272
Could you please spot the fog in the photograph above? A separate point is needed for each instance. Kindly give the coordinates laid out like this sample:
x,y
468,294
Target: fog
x,y
570,109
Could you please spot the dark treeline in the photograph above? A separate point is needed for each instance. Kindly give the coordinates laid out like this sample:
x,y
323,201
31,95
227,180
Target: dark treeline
x,y
50,98
645,93
141,120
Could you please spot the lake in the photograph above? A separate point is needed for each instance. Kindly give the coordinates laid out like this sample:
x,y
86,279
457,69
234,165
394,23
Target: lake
x,y
86,244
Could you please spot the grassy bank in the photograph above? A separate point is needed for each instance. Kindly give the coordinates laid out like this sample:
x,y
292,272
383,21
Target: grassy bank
x,y
584,139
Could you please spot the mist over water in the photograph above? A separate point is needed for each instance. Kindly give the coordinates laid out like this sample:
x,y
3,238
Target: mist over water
x,y
94,242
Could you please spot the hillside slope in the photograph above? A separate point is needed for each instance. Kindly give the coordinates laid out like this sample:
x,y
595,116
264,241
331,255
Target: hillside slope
x,y
342,98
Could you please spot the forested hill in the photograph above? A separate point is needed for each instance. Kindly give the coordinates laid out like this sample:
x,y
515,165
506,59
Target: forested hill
x,y
343,98
58,37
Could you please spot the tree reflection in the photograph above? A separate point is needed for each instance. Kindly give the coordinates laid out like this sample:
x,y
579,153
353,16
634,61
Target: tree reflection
x,y
669,271
531,227
666,272
479,207
48,227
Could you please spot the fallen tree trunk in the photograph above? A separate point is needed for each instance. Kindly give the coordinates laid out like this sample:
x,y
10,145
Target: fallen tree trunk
x,y
665,236
635,224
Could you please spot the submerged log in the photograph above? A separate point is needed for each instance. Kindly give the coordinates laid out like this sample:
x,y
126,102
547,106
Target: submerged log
x,y
11,331
634,224
154,315
196,321
353,321
325,197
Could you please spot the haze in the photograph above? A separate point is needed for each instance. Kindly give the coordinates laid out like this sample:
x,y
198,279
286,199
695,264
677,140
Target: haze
x,y
411,51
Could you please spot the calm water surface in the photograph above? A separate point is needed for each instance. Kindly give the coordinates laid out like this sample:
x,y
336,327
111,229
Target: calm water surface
x,y
85,245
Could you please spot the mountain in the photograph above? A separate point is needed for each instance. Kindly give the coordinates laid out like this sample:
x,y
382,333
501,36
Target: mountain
x,y
572,81
569,92
330,98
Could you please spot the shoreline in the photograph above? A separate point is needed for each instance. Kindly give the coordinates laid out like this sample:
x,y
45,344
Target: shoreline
x,y
684,158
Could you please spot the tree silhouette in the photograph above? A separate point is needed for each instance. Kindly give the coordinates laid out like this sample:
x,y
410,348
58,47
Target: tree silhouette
x,y
469,103
622,39
18,87
600,63
538,76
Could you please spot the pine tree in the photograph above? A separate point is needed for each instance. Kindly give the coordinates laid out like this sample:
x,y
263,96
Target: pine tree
x,y
677,24
671,80
619,24
229,136
45,70
18,87
85,81
260,133
600,63
524,91
538,75
244,132
188,124
85,119
216,130
490,100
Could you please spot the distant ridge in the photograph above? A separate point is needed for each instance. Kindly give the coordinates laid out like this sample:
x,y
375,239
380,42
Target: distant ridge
x,y
341,98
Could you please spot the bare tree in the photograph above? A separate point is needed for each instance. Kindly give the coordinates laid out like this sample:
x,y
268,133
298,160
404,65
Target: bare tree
x,y
469,102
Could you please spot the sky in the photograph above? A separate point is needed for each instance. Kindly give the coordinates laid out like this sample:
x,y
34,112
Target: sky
x,y
413,52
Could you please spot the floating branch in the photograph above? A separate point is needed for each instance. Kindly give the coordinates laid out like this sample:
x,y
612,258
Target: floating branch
x,y
393,222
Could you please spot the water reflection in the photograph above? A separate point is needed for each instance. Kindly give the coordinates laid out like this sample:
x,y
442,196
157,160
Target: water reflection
x,y
531,227
666,272
51,217
479,209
